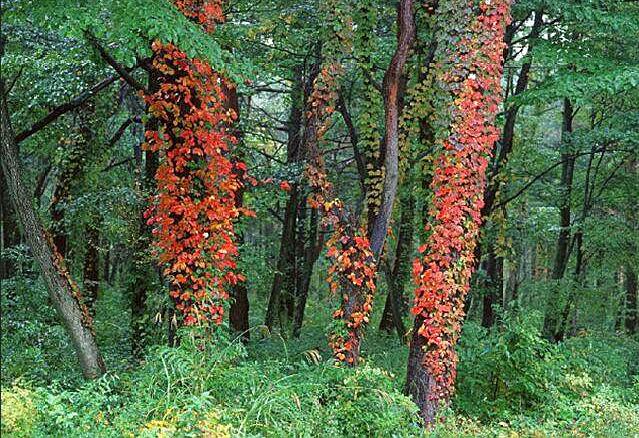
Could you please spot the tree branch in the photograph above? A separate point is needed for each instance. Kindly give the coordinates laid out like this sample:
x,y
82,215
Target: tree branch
x,y
122,70
65,108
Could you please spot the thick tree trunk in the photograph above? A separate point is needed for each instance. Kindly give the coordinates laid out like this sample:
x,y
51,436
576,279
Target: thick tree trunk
x,y
420,383
63,292
442,273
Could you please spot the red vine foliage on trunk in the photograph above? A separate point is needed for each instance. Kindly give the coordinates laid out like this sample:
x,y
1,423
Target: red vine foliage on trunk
x,y
470,73
352,270
194,210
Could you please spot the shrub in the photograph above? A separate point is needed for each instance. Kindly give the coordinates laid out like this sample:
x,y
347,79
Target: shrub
x,y
19,414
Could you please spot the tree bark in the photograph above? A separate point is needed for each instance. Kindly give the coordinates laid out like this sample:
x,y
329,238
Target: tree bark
x,y
563,239
392,317
91,281
378,227
311,253
631,301
239,308
63,292
502,153
141,268
9,230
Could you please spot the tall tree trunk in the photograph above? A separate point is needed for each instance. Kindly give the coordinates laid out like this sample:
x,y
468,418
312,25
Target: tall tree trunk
x,y
142,271
392,317
311,253
442,272
276,308
504,148
63,292
493,266
282,305
239,308
631,301
378,225
551,319
91,282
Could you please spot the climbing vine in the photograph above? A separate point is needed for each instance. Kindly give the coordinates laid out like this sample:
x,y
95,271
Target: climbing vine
x,y
194,210
352,269
469,73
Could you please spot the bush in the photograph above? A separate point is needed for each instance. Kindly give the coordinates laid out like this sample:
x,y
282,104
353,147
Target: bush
x,y
19,414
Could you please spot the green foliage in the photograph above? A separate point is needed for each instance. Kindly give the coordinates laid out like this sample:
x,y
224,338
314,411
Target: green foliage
x,y
19,414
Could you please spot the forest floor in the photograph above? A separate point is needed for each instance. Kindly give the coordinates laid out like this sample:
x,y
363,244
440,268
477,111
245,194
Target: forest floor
x,y
511,383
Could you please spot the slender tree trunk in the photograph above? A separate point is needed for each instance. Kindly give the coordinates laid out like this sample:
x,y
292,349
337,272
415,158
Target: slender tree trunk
x,y
106,269
142,271
503,149
239,309
286,256
392,318
311,253
378,225
493,266
631,301
91,271
63,292
282,305
563,240
9,230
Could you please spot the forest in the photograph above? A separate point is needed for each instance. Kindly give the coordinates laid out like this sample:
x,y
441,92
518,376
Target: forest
x,y
319,218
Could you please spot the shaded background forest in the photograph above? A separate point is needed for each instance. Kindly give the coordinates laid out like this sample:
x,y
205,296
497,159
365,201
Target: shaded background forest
x,y
549,343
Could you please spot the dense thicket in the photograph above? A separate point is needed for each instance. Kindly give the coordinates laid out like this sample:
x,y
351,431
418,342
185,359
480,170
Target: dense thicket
x,y
217,207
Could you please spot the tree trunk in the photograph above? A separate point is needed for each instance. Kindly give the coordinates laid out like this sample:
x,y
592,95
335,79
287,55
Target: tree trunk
x,y
142,272
91,281
282,305
631,301
420,383
63,292
493,266
276,305
395,306
378,225
563,240
239,308
9,230
311,253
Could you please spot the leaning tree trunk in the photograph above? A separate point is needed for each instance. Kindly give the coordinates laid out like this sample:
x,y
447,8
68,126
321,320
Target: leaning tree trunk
x,y
63,292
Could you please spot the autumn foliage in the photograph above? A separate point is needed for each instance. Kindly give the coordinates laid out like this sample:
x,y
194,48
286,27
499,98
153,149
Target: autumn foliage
x,y
194,210
352,270
470,73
